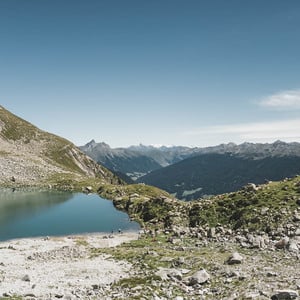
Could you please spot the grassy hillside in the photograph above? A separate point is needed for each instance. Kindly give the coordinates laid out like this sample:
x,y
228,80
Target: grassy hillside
x,y
265,207
31,155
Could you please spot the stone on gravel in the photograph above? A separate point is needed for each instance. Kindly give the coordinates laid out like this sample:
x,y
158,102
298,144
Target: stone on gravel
x,y
293,247
26,278
285,295
175,274
234,258
281,244
199,277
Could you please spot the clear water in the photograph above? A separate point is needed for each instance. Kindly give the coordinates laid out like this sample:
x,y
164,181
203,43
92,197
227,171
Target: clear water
x,y
25,213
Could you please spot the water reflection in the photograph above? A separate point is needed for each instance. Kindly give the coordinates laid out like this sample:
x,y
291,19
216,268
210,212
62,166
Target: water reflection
x,y
28,213
19,203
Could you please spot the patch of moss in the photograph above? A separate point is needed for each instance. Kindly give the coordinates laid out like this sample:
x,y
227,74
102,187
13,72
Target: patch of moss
x,y
136,281
4,153
81,241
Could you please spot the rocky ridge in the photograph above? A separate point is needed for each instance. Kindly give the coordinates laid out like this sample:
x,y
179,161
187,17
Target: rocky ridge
x,y
30,156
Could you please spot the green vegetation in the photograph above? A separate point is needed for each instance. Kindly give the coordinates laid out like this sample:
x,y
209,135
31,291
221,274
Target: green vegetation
x,y
3,153
145,204
262,209
16,128
48,151
11,298
72,182
149,255
81,241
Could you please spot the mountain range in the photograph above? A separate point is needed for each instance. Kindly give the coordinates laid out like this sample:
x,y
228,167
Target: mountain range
x,y
29,155
136,161
190,173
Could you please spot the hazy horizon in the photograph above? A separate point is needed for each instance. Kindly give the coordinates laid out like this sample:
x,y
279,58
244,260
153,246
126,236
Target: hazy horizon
x,y
178,145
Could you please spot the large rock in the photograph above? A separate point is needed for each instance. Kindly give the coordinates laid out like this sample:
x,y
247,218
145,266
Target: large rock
x,y
175,274
285,295
296,217
87,189
293,247
251,295
167,274
251,187
199,277
281,244
256,241
234,258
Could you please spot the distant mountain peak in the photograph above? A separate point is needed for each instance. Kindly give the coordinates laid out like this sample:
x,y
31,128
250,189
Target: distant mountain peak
x,y
91,143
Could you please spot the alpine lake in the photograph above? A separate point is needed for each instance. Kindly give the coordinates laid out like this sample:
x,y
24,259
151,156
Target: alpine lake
x,y
36,213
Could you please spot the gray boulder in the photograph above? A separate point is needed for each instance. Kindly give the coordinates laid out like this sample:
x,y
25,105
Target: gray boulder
x,y
234,258
285,295
293,247
199,277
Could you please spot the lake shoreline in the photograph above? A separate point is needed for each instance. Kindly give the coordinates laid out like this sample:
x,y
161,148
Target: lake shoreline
x,y
105,235
40,213
61,266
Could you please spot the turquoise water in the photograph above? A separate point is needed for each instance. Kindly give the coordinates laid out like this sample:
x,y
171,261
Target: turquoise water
x,y
25,213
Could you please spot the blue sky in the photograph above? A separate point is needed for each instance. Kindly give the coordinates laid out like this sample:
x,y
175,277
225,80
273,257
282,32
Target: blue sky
x,y
172,72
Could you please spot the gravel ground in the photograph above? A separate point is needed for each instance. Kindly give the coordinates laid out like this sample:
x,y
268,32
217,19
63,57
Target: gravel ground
x,y
60,267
